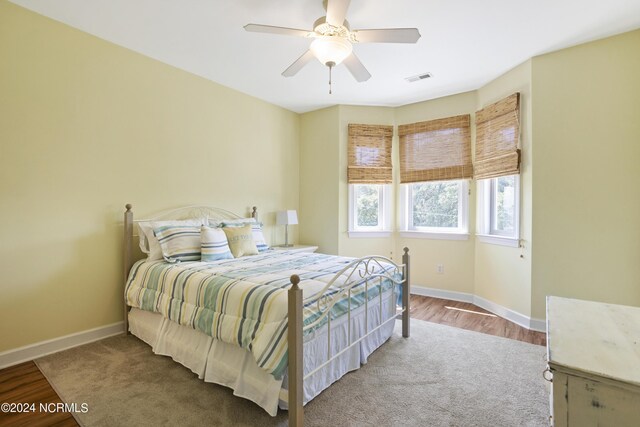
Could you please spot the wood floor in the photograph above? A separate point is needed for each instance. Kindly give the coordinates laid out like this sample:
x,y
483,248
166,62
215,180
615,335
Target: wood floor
x,y
24,383
468,316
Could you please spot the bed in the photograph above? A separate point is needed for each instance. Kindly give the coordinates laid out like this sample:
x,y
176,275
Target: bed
x,y
277,327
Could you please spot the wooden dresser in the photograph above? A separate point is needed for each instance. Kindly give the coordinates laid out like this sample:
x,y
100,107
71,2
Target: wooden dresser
x,y
593,352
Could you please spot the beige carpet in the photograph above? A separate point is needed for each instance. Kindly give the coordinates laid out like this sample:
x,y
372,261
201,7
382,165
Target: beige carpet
x,y
441,376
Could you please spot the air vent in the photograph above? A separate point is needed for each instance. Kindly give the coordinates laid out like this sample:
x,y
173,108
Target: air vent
x,y
419,77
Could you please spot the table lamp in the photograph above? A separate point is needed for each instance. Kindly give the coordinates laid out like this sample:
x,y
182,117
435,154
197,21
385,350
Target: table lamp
x,y
286,218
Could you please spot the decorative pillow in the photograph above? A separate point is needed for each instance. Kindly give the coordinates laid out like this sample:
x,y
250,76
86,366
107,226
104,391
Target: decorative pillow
x,y
241,241
256,230
148,241
258,237
214,245
179,242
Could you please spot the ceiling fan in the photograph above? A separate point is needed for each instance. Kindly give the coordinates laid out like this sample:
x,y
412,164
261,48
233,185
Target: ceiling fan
x,y
334,40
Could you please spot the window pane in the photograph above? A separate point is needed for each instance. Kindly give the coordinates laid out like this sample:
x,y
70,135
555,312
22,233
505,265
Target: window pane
x,y
368,202
505,204
435,204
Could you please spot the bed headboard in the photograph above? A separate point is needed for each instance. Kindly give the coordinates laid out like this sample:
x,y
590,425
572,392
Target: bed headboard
x,y
195,211
187,212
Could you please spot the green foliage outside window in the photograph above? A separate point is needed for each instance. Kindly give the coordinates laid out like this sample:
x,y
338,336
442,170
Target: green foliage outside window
x,y
505,203
435,204
368,200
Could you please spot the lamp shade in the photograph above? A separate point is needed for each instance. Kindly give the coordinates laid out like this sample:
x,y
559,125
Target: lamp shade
x,y
331,49
286,217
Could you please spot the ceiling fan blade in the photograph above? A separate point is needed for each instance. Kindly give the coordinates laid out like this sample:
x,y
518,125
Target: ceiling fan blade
x,y
257,28
387,35
337,11
356,68
298,64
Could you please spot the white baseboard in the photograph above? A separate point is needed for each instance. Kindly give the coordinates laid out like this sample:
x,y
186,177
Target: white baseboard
x,y
507,313
441,293
33,351
504,312
539,325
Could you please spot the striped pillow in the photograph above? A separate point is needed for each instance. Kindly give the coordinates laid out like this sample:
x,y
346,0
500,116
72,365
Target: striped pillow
x,y
256,231
148,241
214,245
258,237
179,242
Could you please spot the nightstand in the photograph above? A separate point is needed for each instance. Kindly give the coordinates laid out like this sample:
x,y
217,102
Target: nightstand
x,y
296,248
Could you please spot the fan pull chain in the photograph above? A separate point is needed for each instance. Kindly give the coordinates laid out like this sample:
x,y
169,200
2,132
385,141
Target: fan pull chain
x,y
330,64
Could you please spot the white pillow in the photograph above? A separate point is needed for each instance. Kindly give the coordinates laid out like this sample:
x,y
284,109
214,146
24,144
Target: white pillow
x,y
214,245
149,243
258,237
179,242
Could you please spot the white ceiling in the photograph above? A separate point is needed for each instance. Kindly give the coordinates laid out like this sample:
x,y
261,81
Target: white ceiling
x,y
464,44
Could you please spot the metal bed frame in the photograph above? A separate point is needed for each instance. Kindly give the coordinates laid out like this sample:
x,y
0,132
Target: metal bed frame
x,y
367,271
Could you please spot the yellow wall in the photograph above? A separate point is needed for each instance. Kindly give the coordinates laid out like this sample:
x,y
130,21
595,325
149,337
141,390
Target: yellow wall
x,y
586,196
503,274
85,127
319,161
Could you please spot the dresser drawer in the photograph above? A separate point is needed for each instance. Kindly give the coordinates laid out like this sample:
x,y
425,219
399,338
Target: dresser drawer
x,y
585,402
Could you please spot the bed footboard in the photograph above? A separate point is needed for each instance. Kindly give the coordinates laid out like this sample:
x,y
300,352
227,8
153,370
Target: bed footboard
x,y
369,271
296,414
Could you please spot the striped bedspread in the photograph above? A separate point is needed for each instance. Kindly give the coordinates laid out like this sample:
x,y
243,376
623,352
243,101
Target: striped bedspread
x,y
243,301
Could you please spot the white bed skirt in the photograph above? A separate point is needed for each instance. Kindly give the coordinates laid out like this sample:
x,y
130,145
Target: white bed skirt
x,y
234,367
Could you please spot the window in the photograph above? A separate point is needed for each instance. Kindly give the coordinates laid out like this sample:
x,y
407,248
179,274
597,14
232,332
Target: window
x,y
497,170
369,174
369,210
502,194
437,209
435,163
367,199
497,136
435,150
499,210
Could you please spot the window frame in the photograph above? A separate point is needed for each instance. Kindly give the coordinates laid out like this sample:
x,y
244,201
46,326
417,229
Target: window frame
x,y
487,232
384,213
461,232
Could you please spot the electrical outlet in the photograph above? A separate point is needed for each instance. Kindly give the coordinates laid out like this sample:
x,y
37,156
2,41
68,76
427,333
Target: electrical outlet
x,y
440,268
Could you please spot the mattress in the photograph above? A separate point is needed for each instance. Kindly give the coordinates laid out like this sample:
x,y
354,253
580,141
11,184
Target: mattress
x,y
232,366
243,301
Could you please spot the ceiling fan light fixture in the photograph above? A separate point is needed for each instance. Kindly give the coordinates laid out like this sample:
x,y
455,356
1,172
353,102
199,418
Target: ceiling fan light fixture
x,y
331,49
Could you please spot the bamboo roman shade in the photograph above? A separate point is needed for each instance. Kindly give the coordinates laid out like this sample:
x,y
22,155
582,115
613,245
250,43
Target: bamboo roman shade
x,y
369,154
436,150
497,134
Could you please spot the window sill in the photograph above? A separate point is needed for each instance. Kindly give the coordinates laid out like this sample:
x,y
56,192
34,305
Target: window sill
x,y
431,235
369,234
498,240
